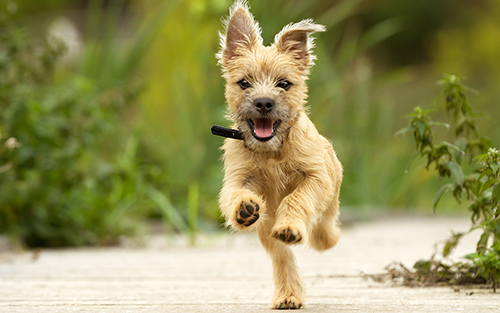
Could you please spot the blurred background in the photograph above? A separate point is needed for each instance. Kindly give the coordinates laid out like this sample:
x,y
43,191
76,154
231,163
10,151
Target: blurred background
x,y
106,107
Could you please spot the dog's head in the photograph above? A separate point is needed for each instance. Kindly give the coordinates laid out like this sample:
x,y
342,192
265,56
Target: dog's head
x,y
265,86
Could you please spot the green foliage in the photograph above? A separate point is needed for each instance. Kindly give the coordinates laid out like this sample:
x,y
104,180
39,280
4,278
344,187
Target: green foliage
x,y
486,265
186,96
173,163
477,183
81,172
68,182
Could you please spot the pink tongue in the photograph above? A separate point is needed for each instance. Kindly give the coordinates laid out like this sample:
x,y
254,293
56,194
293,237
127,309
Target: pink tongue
x,y
263,128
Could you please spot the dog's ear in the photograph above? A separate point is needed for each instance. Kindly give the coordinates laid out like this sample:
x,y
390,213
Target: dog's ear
x,y
294,39
242,32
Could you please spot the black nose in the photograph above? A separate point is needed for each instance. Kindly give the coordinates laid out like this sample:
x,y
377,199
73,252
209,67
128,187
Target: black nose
x,y
264,105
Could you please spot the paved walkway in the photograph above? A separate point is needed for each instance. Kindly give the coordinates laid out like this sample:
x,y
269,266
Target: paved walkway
x,y
232,273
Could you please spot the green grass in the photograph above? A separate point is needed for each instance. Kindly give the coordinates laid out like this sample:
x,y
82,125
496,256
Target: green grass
x,y
77,176
186,96
148,72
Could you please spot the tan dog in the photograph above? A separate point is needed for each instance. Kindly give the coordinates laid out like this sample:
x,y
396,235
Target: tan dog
x,y
283,178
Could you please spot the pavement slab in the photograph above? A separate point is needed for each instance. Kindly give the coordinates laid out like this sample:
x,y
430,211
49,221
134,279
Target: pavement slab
x,y
231,273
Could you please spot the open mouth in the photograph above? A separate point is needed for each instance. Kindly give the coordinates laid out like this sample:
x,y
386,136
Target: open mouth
x,y
263,129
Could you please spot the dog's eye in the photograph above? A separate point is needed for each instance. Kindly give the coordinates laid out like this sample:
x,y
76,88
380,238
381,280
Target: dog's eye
x,y
285,84
244,84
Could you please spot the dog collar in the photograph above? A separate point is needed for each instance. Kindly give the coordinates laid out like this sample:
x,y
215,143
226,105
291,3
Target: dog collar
x,y
227,132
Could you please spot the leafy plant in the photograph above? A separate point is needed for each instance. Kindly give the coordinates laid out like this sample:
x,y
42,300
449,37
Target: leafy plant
x,y
63,184
474,168
69,180
82,172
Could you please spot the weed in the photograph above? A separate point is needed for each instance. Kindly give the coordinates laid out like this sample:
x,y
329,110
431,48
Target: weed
x,y
474,169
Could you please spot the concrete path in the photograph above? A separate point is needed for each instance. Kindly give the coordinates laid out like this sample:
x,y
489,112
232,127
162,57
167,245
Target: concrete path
x,y
232,273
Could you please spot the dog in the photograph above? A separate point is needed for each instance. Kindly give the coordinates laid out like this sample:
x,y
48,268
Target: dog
x,y
283,178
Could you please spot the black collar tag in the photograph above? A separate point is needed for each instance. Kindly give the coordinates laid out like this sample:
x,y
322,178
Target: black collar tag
x,y
227,132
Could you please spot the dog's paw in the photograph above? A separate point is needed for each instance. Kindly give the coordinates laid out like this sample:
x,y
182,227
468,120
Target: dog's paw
x,y
287,303
247,213
288,234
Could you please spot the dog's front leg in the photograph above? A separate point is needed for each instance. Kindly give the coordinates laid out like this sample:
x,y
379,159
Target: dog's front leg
x,y
303,205
239,204
289,287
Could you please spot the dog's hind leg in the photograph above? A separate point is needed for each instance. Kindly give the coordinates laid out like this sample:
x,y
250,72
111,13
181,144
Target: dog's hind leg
x,y
325,234
289,288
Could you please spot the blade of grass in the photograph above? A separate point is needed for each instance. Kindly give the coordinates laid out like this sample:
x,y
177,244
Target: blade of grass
x,y
378,33
168,211
193,200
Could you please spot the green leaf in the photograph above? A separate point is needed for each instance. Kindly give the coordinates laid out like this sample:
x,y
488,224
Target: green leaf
x,y
453,147
421,128
445,125
487,185
404,130
422,265
456,171
471,256
495,166
451,243
482,243
484,173
444,189
495,194
480,157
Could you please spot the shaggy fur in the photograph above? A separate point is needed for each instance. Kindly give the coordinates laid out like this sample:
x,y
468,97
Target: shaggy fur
x,y
286,186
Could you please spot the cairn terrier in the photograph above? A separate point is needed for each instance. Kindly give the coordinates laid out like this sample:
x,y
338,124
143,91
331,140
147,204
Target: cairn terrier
x,y
283,178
